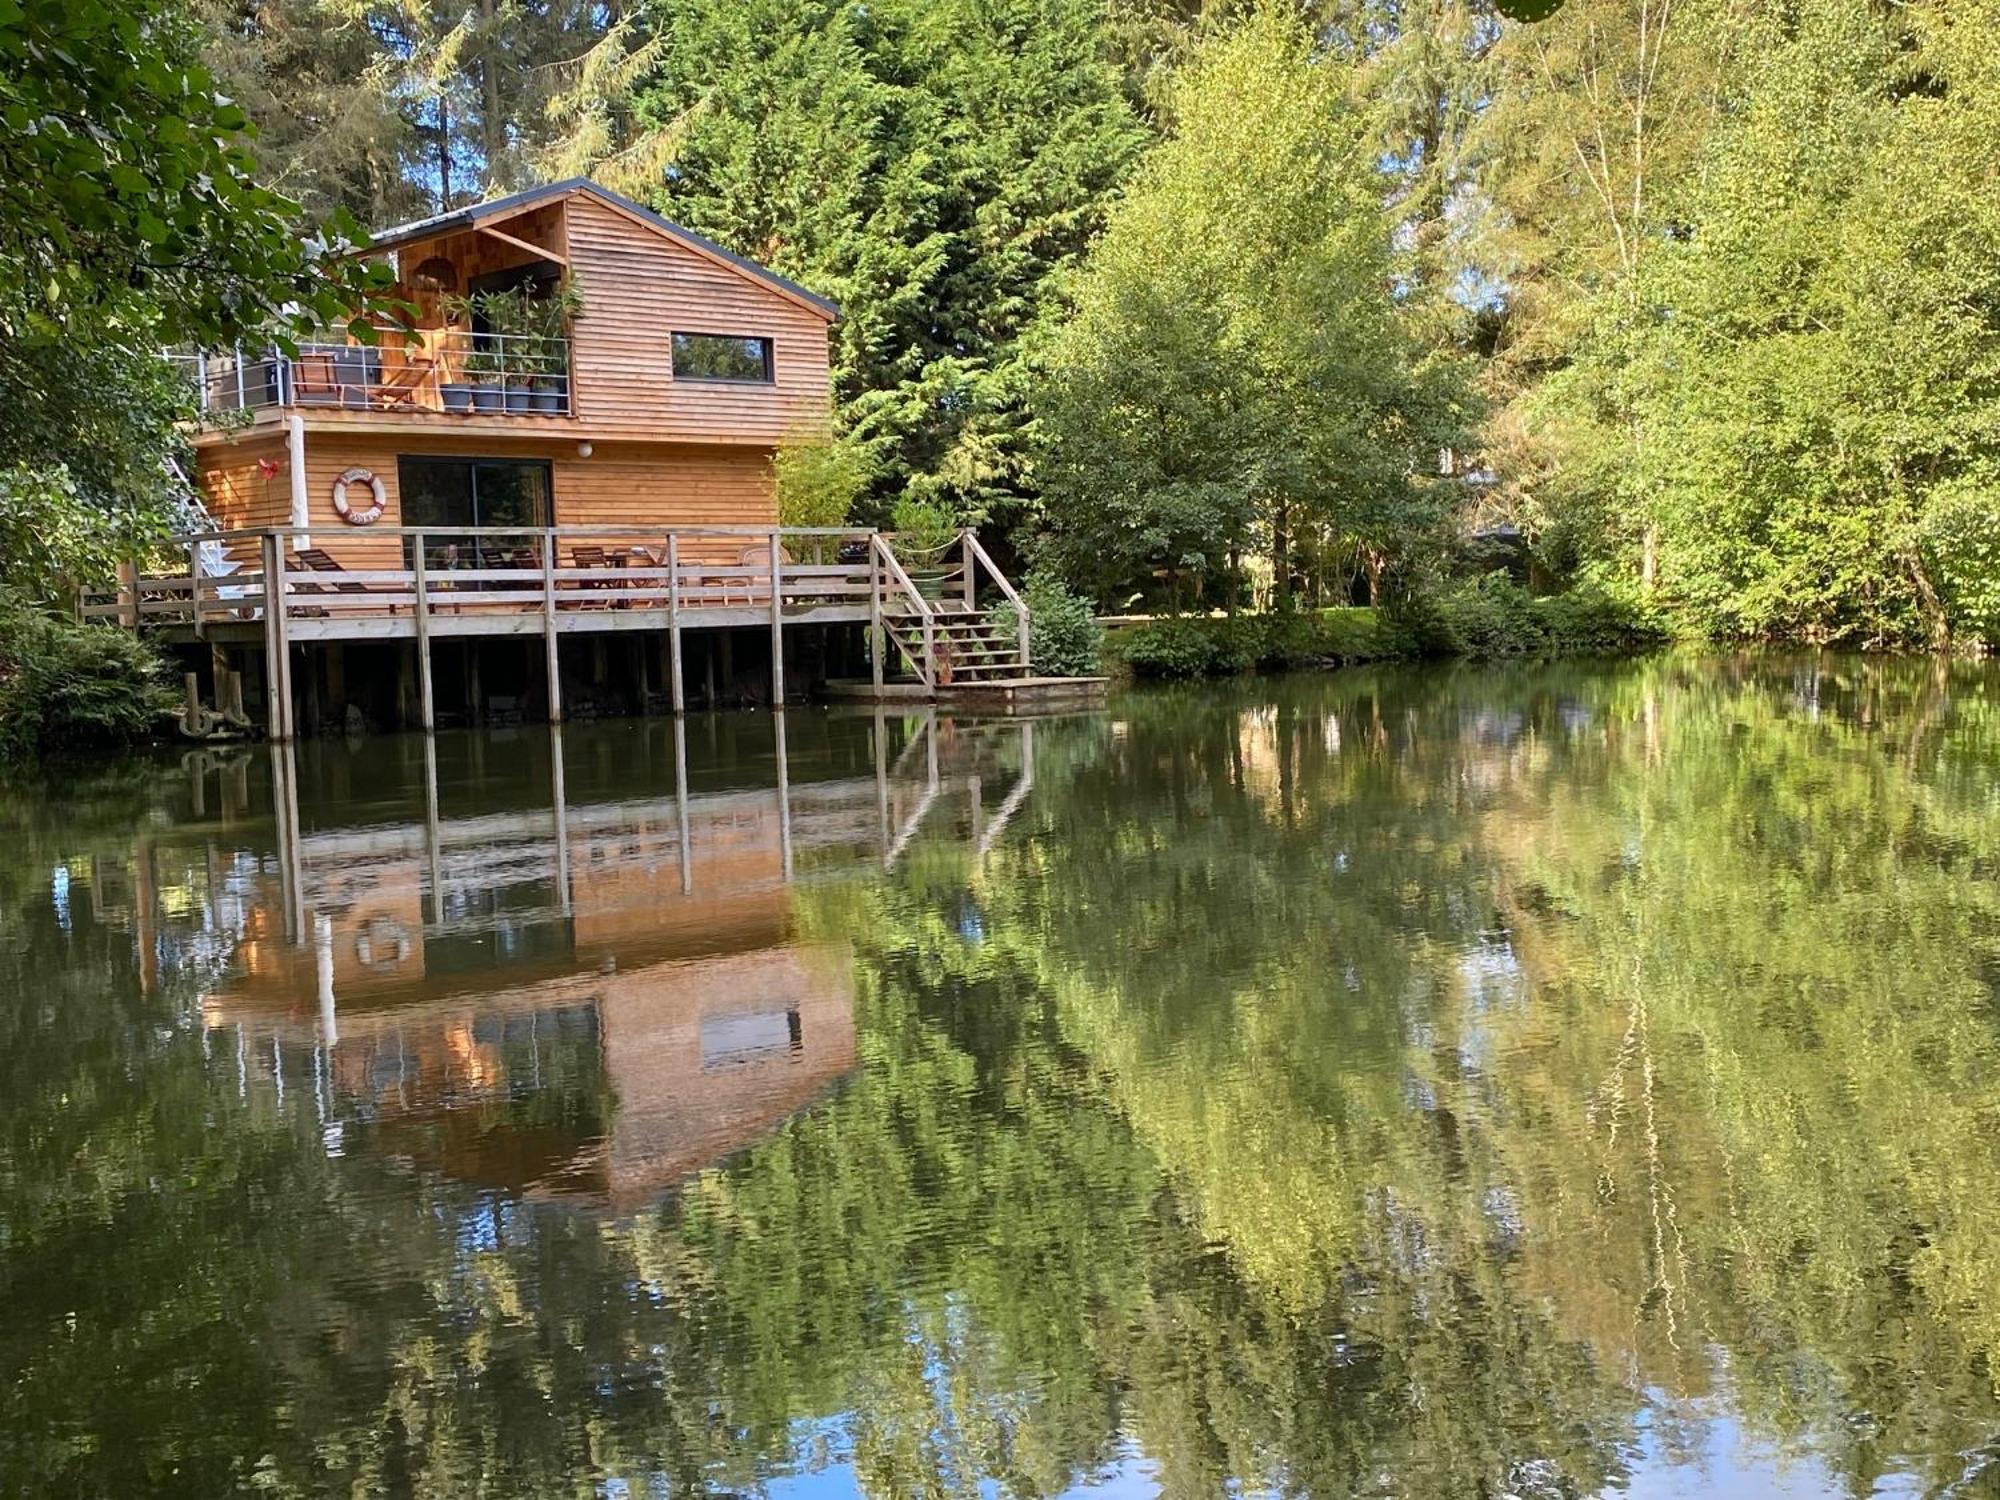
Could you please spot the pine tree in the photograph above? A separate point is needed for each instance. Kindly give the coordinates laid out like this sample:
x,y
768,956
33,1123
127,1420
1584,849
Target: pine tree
x,y
934,167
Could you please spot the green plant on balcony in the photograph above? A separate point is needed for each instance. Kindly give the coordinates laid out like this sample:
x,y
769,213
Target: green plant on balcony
x,y
519,358
924,532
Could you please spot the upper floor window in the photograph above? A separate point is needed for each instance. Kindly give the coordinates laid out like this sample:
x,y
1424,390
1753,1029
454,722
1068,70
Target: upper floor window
x,y
722,356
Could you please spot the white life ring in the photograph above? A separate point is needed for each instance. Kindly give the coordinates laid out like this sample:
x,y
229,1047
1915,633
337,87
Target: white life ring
x,y
366,515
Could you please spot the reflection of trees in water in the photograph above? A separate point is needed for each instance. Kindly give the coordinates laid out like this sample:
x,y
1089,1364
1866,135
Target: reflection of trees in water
x,y
1374,1095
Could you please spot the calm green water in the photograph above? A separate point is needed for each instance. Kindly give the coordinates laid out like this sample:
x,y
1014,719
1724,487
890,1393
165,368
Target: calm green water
x,y
1553,1081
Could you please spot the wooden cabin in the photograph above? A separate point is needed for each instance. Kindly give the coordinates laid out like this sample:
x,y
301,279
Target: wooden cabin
x,y
658,405
571,435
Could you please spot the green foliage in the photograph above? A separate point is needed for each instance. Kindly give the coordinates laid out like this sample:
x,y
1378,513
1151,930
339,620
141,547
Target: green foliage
x,y
1064,637
396,108
124,175
130,218
924,528
932,167
1219,646
819,482
1487,618
1236,377
1779,396
67,686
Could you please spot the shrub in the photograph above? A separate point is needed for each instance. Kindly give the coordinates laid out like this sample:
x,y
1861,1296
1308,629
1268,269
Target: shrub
x,y
818,482
65,685
1212,647
1064,638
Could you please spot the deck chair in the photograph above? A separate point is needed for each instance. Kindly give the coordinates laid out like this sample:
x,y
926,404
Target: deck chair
x,y
757,588
592,557
314,382
320,561
398,384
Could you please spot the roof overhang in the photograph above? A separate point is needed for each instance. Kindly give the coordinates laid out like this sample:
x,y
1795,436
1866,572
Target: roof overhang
x,y
484,215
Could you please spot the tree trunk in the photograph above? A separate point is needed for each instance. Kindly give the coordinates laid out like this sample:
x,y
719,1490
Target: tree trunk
x,y
1281,556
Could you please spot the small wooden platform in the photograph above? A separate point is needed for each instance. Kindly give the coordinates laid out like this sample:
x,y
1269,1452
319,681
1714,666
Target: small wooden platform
x,y
1005,695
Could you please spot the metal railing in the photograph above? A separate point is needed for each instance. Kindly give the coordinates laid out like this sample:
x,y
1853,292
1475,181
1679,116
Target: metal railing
x,y
439,370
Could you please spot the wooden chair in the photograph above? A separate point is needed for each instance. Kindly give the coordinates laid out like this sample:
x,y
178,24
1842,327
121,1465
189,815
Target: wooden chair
x,y
314,382
592,557
320,561
397,385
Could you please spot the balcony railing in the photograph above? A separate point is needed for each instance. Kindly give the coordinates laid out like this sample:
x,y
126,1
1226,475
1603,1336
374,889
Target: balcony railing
x,y
452,370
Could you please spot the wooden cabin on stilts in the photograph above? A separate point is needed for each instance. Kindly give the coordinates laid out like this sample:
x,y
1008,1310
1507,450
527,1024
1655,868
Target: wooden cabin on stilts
x,y
550,495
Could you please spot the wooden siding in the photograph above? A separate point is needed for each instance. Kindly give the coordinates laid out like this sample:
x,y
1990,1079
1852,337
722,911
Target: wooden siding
x,y
650,487
235,489
639,288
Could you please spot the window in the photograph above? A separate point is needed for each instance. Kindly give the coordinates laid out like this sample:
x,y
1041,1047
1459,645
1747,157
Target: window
x,y
722,356
445,493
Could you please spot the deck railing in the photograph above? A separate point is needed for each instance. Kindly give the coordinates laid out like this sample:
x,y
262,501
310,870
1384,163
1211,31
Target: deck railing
x,y
453,370
471,574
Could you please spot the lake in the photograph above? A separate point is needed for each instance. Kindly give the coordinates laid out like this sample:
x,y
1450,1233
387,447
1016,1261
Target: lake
x,y
1536,1081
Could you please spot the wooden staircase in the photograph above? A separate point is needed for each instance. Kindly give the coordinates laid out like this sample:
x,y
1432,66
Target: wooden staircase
x,y
948,637
964,646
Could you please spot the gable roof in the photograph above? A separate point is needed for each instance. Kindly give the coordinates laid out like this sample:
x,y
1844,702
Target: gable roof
x,y
475,214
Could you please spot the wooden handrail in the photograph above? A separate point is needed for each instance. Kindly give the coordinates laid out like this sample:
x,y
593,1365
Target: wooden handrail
x,y
1007,589
880,548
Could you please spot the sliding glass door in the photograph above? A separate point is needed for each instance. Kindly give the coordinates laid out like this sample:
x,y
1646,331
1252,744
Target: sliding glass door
x,y
452,493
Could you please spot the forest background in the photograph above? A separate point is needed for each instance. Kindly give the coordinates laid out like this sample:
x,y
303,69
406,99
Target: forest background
x,y
1690,303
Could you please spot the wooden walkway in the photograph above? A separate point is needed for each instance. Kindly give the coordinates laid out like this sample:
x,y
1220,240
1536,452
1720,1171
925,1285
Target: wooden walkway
x,y
274,588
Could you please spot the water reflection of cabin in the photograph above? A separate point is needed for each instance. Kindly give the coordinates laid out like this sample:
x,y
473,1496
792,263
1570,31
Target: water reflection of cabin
x,y
602,996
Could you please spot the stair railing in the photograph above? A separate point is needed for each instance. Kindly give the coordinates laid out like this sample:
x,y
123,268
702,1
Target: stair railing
x,y
887,563
975,558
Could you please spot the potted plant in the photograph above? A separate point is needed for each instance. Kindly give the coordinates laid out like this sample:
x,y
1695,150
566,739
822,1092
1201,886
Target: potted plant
x,y
482,367
549,319
924,532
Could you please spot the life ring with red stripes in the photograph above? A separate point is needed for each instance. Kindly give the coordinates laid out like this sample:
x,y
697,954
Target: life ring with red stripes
x,y
360,515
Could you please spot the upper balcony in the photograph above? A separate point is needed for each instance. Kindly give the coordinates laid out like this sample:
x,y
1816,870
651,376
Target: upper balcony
x,y
457,371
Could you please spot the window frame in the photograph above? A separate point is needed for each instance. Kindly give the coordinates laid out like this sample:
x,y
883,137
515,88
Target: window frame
x,y
768,378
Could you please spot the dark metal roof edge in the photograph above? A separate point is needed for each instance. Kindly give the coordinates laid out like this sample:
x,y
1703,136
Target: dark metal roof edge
x,y
466,218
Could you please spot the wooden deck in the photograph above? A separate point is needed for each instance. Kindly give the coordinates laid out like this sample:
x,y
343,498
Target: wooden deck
x,y
276,589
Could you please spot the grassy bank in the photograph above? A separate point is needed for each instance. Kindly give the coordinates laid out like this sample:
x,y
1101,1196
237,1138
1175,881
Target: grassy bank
x,y
1483,621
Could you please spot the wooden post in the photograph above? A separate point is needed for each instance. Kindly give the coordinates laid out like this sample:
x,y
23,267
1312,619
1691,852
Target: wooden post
x,y
551,642
128,588
427,715
674,620
777,625
194,586
971,574
277,647
875,614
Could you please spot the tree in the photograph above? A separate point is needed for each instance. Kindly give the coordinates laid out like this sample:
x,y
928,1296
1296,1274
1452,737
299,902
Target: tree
x,y
1797,385
1236,375
130,218
930,167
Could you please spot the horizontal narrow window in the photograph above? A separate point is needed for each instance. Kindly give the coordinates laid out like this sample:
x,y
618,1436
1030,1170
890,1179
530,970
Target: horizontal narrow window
x,y
722,356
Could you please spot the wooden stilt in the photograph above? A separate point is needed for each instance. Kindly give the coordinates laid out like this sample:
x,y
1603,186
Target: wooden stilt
x,y
777,624
426,706
875,641
551,641
674,622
